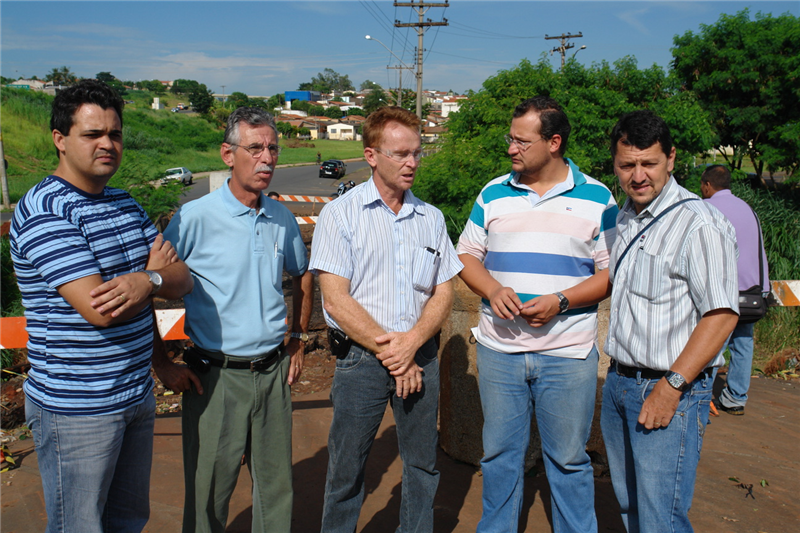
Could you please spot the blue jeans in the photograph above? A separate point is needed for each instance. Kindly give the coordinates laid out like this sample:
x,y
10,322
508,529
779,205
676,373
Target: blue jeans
x,y
561,392
361,389
95,469
653,471
740,367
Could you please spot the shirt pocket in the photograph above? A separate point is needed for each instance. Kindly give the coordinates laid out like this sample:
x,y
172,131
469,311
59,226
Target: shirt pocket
x,y
426,266
648,275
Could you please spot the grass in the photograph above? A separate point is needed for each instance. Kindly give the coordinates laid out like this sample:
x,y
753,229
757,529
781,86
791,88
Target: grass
x,y
155,140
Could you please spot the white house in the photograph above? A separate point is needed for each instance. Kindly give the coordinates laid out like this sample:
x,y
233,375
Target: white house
x,y
342,132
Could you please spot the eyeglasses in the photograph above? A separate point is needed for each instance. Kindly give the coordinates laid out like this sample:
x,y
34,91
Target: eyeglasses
x,y
256,150
401,156
522,145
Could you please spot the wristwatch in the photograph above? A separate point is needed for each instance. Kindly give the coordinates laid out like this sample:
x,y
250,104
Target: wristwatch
x,y
676,381
302,336
563,303
155,280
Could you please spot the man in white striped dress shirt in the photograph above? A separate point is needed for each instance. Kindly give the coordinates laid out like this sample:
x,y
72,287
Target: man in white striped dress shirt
x,y
384,262
674,303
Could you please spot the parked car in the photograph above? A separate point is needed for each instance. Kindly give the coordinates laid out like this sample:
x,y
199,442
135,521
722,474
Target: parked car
x,y
181,174
332,168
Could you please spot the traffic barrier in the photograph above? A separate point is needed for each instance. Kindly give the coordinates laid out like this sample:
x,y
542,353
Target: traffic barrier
x,y
310,199
170,321
306,220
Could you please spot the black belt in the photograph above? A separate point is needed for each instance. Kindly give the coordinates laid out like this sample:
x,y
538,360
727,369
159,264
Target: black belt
x,y
648,373
200,359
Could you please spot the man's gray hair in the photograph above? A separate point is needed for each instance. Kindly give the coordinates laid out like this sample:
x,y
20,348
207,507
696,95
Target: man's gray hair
x,y
252,116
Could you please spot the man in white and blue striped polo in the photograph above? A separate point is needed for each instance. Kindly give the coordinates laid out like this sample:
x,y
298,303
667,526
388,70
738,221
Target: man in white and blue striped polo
x,y
535,249
673,305
88,260
384,262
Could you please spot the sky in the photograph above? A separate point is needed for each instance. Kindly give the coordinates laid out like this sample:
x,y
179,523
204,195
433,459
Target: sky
x,y
266,47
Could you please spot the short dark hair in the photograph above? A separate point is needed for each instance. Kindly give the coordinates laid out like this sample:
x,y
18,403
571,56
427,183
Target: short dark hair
x,y
252,116
642,129
718,176
69,100
553,119
378,120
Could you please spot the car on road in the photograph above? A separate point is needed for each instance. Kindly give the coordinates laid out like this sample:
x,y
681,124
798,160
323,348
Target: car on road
x,y
332,168
181,174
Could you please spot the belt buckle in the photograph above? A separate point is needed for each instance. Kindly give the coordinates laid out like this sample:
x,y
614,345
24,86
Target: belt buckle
x,y
260,363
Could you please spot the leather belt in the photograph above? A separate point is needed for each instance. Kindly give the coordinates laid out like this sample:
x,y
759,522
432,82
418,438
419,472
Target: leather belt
x,y
648,373
200,359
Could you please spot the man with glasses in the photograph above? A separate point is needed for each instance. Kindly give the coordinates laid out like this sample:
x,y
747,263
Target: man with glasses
x,y
384,262
536,249
237,243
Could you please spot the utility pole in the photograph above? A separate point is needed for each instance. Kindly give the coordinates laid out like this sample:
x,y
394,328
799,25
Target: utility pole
x,y
564,46
421,8
223,97
399,102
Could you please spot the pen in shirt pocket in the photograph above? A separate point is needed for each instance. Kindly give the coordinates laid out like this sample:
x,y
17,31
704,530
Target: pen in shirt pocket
x,y
434,252
276,249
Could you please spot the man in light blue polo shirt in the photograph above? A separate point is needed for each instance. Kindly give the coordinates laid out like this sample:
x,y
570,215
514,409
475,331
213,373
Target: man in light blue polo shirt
x,y
237,243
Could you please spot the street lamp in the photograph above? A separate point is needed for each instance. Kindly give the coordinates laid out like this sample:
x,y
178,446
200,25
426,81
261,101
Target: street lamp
x,y
583,47
400,88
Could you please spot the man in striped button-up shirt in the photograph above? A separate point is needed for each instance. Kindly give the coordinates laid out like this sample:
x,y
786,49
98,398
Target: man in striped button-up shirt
x,y
674,302
384,262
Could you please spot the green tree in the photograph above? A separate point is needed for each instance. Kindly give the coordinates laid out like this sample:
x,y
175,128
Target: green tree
x,y
105,77
286,129
276,101
355,111
746,75
368,85
202,99
316,111
474,151
373,101
181,86
61,76
409,101
237,99
333,112
328,81
301,105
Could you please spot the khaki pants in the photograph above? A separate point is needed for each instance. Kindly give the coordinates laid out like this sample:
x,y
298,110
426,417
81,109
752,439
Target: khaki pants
x,y
240,413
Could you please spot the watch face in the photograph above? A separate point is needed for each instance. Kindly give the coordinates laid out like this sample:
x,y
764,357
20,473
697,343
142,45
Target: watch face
x,y
677,381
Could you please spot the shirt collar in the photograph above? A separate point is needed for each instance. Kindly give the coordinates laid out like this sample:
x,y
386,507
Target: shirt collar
x,y
237,208
574,177
370,196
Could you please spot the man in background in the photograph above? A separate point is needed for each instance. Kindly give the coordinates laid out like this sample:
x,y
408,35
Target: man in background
x,y
715,187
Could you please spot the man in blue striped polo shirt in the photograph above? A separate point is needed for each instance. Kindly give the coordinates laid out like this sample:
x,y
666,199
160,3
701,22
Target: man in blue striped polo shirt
x,y
384,262
88,260
674,303
535,249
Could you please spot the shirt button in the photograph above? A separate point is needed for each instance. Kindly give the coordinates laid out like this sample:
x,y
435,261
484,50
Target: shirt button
x,y
251,213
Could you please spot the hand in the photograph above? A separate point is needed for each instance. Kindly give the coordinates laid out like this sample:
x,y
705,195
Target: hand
x,y
121,293
161,254
177,378
409,382
540,310
505,303
398,351
660,406
296,350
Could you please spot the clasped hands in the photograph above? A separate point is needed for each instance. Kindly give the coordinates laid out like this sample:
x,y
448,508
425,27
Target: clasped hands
x,y
399,350
537,311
